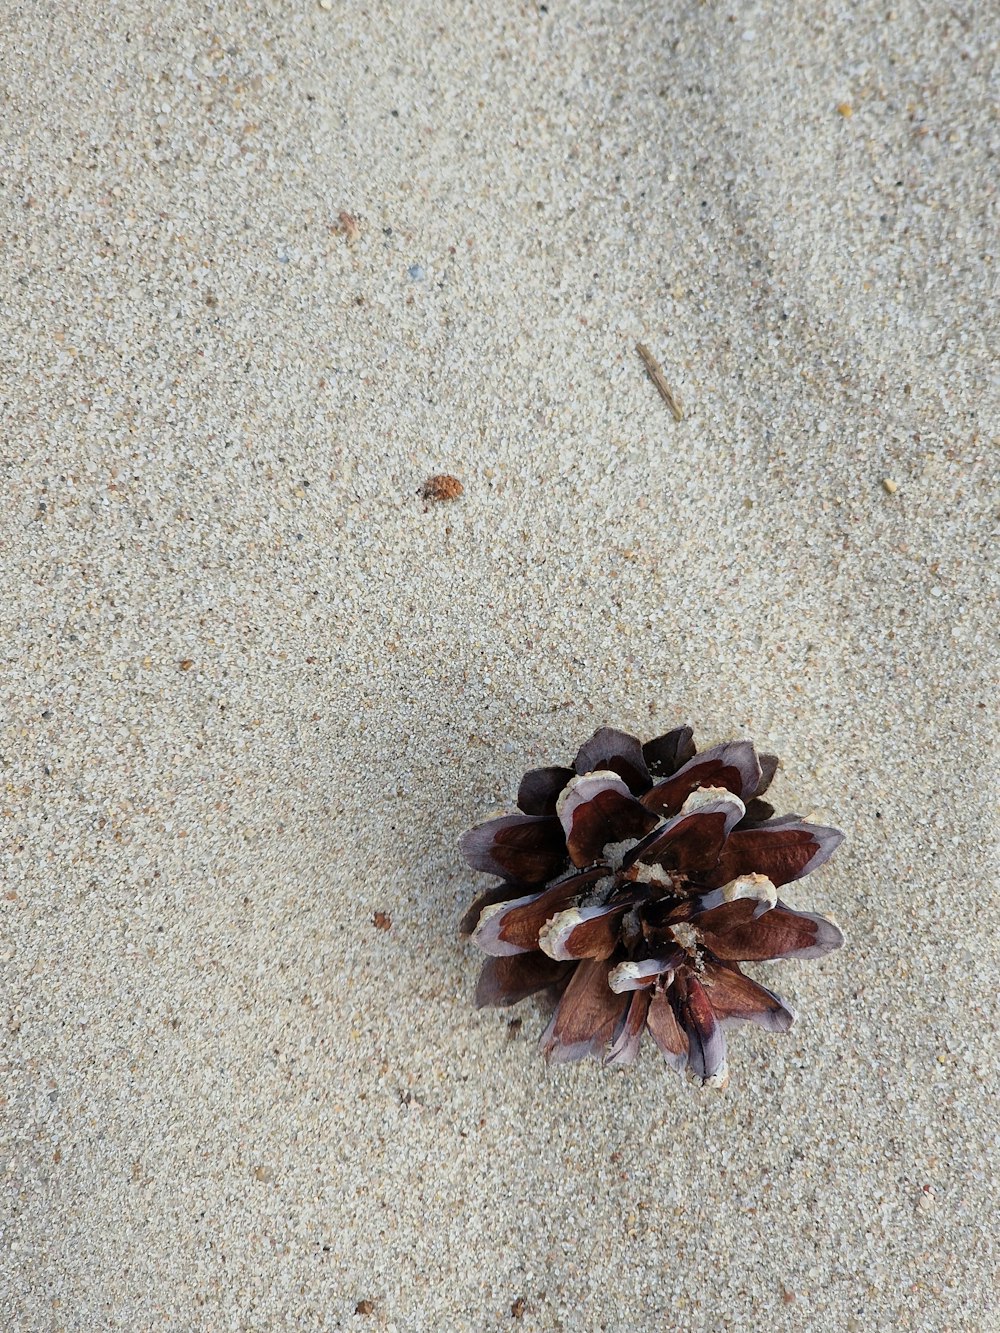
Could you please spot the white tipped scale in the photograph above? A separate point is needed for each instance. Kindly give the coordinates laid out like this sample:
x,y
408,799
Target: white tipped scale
x,y
553,935
758,888
709,796
697,818
598,927
487,932
584,787
638,976
578,794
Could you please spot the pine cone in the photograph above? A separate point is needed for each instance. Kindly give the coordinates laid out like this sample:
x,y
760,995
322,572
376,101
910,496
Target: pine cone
x,y
634,885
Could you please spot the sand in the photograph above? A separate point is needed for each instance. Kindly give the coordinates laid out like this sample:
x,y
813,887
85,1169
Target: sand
x,y
256,687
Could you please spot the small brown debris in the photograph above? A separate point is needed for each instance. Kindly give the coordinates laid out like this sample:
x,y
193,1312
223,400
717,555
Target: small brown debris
x,y
845,109
514,1028
263,1173
365,1307
349,226
441,487
787,1296
186,664
655,372
889,485
518,1307
382,921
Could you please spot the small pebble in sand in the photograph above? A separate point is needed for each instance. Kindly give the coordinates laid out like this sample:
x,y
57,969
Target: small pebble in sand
x,y
186,664
325,4
845,109
417,272
889,485
364,1307
441,487
382,921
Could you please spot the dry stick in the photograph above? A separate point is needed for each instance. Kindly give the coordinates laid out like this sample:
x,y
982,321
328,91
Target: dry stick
x,y
656,375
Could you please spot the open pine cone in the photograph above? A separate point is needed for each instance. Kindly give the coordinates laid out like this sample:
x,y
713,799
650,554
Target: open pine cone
x,y
634,885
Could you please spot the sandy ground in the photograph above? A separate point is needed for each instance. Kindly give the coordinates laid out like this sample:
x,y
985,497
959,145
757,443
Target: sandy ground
x,y
255,688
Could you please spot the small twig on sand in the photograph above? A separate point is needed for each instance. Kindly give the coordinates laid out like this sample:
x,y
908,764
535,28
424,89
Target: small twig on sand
x,y
656,375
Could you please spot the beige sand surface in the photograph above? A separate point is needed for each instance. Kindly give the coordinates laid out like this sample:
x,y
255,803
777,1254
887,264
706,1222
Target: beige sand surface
x,y
255,689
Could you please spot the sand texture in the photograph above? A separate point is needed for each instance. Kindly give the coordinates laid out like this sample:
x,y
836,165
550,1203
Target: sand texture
x,y
270,266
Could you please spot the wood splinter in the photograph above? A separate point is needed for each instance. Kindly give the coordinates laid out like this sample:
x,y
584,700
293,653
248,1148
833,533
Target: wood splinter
x,y
655,372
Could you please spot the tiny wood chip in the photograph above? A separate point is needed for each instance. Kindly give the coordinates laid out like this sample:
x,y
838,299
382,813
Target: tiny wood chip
x,y
349,226
441,487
